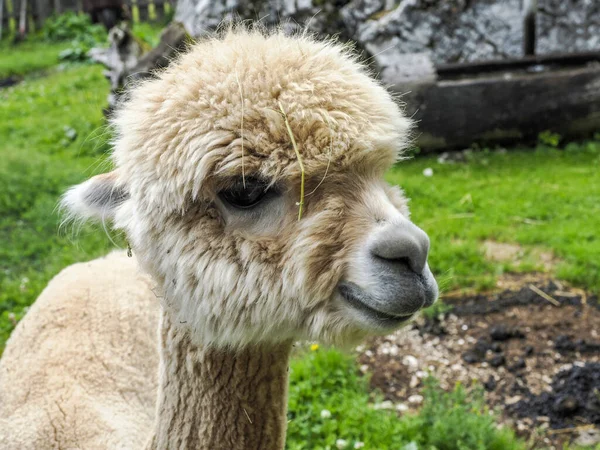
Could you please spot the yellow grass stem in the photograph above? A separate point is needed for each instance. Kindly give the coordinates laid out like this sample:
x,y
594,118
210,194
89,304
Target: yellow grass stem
x,y
544,295
328,160
242,128
293,139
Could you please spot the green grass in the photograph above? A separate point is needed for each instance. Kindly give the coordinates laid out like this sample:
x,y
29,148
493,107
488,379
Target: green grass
x,y
147,33
27,57
329,401
36,55
39,160
544,198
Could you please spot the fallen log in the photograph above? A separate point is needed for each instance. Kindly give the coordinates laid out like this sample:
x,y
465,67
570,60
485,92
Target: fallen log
x,y
505,101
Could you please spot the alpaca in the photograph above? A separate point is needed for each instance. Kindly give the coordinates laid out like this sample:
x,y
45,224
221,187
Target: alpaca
x,y
213,160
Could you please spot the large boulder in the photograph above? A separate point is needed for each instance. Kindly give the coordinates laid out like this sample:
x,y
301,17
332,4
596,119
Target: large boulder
x,y
319,16
565,26
449,31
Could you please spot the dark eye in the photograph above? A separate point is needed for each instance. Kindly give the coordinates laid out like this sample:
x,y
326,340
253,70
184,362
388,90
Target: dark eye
x,y
245,195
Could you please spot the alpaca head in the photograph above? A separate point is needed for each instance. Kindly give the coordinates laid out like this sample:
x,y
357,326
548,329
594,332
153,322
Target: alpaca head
x,y
207,185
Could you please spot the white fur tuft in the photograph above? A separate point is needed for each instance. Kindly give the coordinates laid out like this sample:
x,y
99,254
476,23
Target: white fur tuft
x,y
75,208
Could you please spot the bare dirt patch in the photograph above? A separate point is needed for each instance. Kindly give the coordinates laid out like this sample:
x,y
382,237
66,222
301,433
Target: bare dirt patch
x,y
516,254
535,346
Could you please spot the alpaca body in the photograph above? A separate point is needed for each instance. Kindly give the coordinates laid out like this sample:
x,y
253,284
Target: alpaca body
x,y
105,373
218,399
84,354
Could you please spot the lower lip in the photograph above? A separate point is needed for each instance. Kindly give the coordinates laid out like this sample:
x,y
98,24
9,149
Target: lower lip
x,y
383,318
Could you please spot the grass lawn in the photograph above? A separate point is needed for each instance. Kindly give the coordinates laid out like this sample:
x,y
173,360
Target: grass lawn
x,y
28,57
52,135
543,198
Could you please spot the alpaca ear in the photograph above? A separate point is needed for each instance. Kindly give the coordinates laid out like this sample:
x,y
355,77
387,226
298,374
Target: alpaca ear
x,y
96,198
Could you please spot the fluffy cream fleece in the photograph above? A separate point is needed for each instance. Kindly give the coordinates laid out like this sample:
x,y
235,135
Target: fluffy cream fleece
x,y
79,371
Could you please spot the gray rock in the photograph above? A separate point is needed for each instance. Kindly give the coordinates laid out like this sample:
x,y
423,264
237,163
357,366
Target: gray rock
x,y
446,31
568,26
201,17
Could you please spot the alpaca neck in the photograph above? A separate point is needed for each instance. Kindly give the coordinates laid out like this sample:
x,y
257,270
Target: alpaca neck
x,y
219,399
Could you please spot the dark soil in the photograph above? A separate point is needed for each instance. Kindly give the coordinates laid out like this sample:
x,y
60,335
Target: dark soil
x,y
9,81
575,396
539,362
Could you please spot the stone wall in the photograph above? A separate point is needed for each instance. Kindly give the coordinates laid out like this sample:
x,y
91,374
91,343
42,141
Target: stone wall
x,y
449,31
568,26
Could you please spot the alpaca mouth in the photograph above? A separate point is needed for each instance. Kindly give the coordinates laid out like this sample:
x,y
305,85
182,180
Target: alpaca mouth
x,y
349,294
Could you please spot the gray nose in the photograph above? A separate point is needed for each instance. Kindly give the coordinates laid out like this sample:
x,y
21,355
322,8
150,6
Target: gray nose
x,y
402,242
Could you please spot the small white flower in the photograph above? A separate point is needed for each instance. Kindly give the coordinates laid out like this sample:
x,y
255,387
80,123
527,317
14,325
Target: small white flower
x,y
386,404
325,414
428,172
415,399
401,407
359,444
341,443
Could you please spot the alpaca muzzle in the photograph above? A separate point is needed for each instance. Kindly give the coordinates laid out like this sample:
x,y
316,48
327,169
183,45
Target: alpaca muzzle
x,y
396,281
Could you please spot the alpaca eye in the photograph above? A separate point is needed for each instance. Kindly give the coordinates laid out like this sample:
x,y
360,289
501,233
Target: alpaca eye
x,y
245,195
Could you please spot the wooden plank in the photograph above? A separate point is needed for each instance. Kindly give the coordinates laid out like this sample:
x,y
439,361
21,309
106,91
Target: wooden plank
x,y
143,10
133,10
69,5
22,18
159,10
529,62
42,9
8,21
498,108
16,7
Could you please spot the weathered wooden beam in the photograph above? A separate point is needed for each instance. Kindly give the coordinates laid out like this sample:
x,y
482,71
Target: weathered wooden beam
x,y
42,10
528,62
23,19
504,105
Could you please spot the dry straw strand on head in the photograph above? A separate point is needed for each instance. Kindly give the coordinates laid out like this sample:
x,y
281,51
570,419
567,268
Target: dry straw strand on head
x,y
329,156
289,130
241,127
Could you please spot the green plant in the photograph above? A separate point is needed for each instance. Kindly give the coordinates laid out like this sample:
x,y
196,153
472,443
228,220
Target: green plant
x,y
28,56
69,26
330,407
76,28
459,420
549,138
437,309
147,33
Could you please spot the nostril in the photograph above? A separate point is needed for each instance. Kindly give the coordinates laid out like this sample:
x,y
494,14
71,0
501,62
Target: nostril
x,y
403,243
403,260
